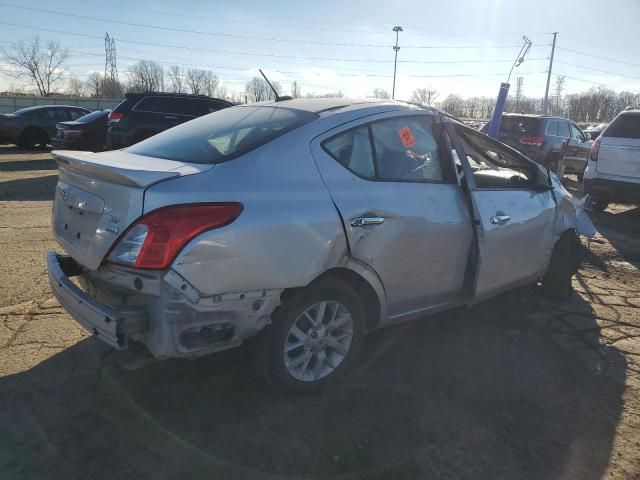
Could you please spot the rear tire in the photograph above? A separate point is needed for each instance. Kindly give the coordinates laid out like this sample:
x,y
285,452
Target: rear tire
x,y
566,258
552,163
580,176
599,203
33,138
313,339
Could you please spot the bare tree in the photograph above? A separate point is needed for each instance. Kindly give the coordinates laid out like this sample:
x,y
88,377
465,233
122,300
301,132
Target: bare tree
x,y
77,87
380,93
453,104
42,63
146,76
212,83
424,96
257,90
177,79
94,84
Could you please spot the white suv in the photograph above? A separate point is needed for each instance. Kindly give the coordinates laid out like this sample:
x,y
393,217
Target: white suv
x,y
613,170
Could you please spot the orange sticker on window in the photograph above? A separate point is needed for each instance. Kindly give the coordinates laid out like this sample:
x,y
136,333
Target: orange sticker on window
x,y
406,137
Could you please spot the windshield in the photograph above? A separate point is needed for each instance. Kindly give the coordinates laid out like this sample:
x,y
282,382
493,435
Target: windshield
x,y
223,135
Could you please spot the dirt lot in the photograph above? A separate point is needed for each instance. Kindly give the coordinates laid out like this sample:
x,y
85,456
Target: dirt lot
x,y
514,388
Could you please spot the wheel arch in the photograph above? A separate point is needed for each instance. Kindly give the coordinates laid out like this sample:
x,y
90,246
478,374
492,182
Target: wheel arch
x,y
365,283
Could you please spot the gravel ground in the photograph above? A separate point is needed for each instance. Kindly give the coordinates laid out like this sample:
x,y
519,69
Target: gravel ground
x,y
514,388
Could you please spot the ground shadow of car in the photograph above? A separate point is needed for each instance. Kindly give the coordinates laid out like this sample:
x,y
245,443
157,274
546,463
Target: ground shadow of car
x,y
28,165
495,391
622,230
29,189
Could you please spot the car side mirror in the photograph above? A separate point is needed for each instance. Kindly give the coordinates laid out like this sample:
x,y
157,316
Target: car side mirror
x,y
587,136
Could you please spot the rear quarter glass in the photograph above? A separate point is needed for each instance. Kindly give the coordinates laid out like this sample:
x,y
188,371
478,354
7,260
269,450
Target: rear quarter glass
x,y
512,125
624,126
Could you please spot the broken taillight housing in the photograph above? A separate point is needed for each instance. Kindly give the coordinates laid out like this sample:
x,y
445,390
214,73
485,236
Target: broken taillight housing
x,y
595,149
153,241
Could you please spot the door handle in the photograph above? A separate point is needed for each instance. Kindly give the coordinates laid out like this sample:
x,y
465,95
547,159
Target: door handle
x,y
499,219
362,221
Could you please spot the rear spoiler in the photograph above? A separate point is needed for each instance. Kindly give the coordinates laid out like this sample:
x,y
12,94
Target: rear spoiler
x,y
86,163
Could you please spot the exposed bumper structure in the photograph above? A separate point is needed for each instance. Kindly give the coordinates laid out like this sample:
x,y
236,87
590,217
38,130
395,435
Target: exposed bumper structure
x,y
98,319
164,312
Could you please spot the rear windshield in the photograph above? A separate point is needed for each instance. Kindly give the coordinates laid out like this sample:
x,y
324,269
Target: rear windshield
x,y
624,126
519,125
90,117
223,135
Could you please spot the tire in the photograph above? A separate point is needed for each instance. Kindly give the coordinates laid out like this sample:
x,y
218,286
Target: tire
x,y
33,138
580,176
314,362
599,203
552,163
566,258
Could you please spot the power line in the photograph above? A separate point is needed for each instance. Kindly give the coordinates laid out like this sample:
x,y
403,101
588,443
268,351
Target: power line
x,y
599,56
248,37
598,70
272,55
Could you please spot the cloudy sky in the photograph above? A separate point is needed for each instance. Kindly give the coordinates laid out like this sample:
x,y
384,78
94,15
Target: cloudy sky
x,y
465,46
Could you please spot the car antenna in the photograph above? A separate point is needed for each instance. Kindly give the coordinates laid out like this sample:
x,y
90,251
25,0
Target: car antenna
x,y
275,92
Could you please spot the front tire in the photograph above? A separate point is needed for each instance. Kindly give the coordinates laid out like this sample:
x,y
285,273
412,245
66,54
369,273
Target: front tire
x,y
313,339
565,260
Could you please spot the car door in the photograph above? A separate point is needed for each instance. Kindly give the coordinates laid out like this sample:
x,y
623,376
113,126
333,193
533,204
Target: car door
x,y
579,146
514,211
403,211
48,118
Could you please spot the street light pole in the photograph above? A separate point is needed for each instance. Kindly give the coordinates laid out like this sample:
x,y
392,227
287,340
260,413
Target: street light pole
x,y
396,29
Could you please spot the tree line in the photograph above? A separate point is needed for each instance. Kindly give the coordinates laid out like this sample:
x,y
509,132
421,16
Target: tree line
x,y
43,63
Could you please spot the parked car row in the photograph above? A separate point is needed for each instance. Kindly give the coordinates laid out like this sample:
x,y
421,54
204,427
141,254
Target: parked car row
x,y
139,116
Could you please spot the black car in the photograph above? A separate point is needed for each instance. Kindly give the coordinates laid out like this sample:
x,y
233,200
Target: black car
x,y
540,137
86,133
33,127
142,115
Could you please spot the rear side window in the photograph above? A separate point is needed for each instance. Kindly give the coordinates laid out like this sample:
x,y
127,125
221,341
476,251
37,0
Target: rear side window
x,y
400,149
563,129
552,128
75,114
223,135
518,125
624,126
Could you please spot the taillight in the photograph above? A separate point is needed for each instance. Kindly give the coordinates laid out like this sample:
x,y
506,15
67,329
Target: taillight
x,y
153,242
115,116
531,140
595,149
72,133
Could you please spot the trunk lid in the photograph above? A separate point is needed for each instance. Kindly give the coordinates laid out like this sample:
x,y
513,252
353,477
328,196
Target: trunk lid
x,y
99,195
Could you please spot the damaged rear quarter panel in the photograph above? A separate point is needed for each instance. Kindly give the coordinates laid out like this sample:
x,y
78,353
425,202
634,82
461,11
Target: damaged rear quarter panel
x,y
288,233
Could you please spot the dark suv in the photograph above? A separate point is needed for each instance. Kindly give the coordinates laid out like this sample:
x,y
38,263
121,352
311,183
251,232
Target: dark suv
x,y
142,115
540,137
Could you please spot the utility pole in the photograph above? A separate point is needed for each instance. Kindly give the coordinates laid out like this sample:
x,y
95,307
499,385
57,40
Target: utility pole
x,y
559,88
545,107
396,29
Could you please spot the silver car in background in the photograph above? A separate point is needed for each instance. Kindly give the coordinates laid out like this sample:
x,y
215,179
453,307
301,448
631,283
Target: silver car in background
x,y
301,225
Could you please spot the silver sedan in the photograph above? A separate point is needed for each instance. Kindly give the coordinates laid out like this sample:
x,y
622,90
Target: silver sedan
x,y
300,225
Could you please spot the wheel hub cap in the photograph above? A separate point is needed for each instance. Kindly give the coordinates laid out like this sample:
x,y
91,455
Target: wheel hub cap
x,y
318,341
